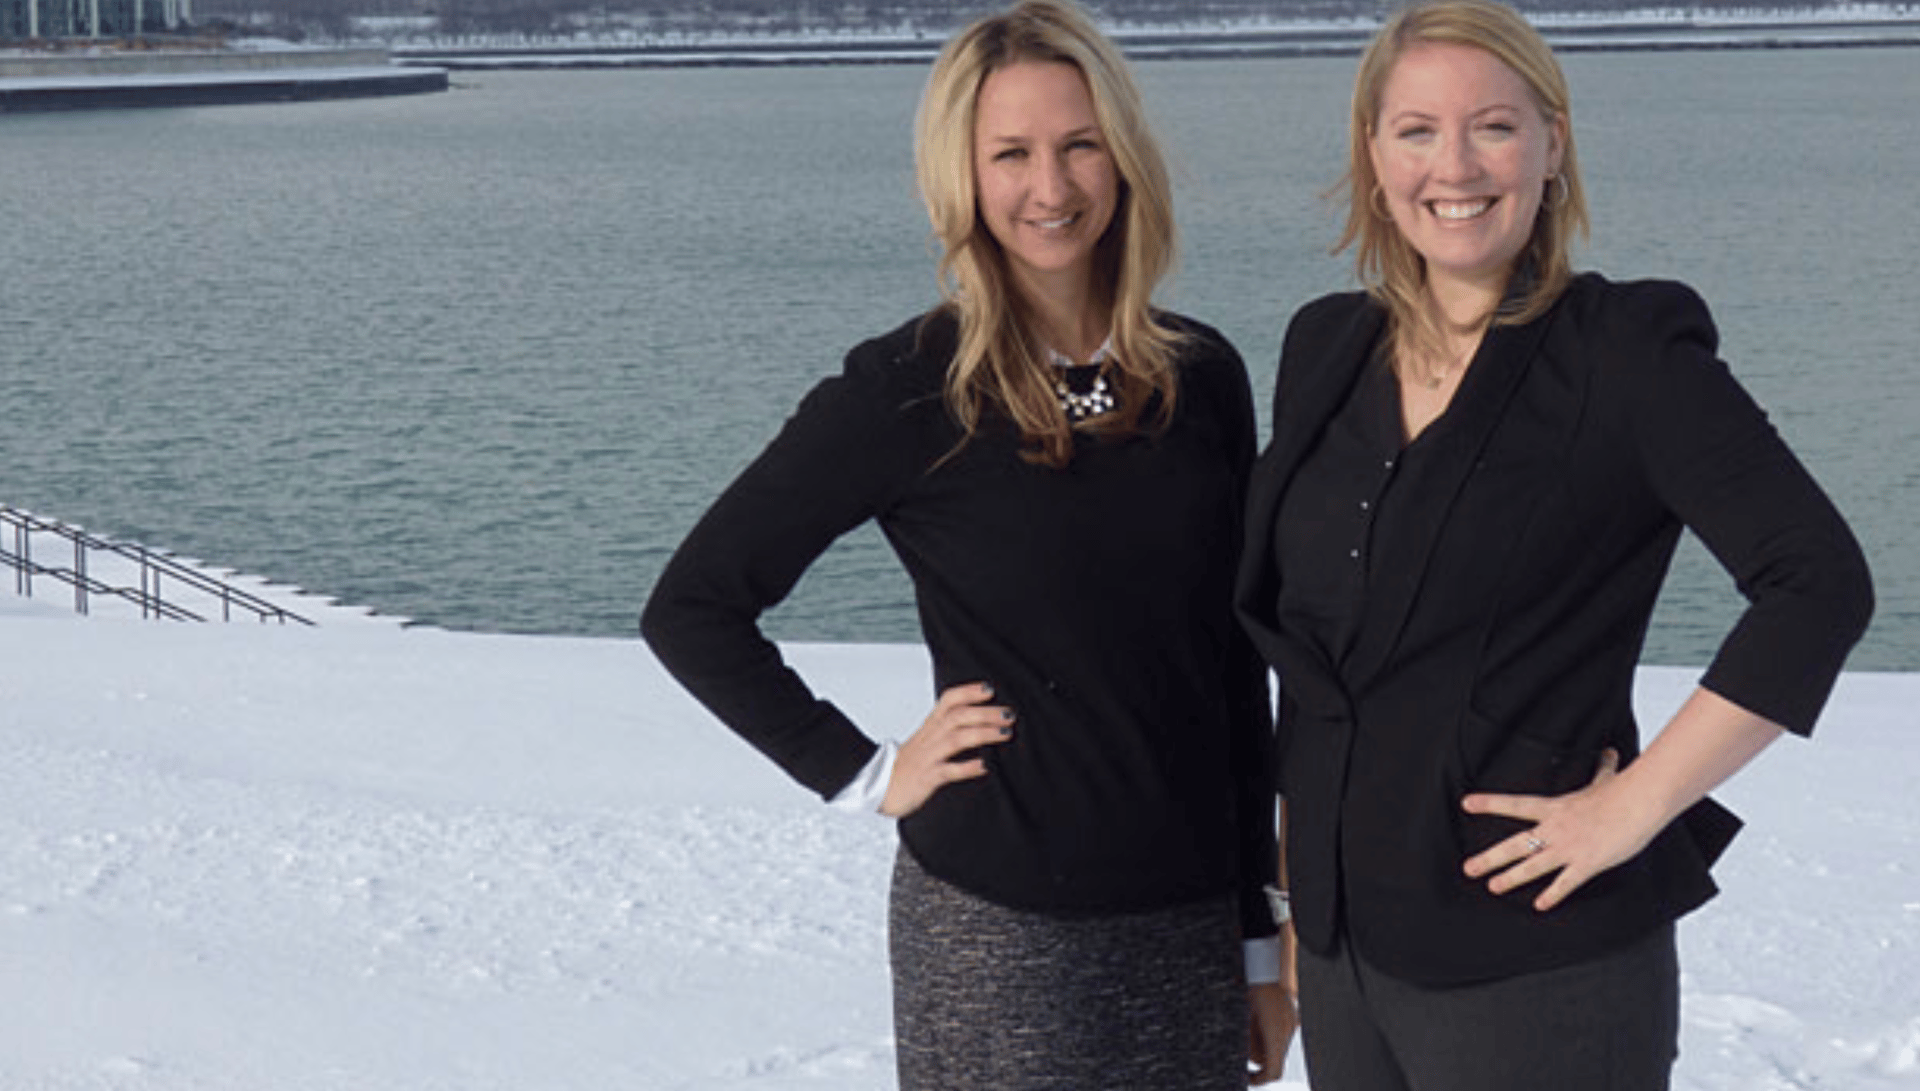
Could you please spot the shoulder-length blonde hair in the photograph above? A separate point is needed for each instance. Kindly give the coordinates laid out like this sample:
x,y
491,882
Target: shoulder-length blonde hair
x,y
1389,266
997,363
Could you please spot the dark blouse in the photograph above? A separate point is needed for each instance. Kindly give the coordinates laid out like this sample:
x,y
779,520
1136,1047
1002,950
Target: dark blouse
x,y
1340,499
1096,599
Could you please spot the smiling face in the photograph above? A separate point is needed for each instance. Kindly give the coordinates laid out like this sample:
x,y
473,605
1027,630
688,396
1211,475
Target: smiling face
x,y
1044,179
1463,152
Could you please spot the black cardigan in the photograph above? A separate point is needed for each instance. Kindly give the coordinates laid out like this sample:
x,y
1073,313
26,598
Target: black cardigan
x,y
1503,618
1097,599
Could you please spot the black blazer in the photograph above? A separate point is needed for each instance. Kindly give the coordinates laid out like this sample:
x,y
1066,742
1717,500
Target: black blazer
x,y
1500,630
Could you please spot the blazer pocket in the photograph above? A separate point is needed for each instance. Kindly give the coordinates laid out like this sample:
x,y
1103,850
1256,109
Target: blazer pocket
x,y
1512,763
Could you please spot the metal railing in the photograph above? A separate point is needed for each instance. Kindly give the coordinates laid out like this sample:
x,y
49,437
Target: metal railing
x,y
158,574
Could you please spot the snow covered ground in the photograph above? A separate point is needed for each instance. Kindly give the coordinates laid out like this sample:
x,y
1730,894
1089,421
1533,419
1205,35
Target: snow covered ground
x,y
358,856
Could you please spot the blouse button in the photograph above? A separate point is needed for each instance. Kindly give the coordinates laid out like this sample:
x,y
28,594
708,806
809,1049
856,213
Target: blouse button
x,y
1355,554
1366,505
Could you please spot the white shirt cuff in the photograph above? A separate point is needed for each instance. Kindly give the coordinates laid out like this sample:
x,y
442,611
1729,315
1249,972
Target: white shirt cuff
x,y
1263,960
868,789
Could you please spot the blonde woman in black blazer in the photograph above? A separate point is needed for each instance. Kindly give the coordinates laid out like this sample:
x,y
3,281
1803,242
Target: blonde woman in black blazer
x,y
1480,468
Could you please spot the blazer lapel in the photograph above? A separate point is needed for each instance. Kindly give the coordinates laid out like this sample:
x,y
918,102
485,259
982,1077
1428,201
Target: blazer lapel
x,y
1400,567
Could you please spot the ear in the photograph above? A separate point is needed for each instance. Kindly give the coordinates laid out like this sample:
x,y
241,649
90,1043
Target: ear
x,y
1556,143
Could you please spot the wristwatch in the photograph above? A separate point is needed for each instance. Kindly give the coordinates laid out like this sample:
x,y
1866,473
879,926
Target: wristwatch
x,y
1279,903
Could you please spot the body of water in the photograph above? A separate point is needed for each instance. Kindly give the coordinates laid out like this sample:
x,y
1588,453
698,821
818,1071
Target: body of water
x,y
481,358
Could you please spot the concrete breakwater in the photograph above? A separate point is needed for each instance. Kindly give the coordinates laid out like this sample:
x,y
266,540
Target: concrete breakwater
x,y
38,82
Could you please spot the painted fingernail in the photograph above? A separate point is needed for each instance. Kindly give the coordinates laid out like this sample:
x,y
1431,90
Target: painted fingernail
x,y
986,688
1006,731
1006,714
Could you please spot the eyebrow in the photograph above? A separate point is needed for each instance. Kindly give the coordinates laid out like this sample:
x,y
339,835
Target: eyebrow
x,y
1422,115
1082,131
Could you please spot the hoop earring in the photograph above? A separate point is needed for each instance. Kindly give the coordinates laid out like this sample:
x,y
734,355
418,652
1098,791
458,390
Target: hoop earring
x,y
1377,203
1566,191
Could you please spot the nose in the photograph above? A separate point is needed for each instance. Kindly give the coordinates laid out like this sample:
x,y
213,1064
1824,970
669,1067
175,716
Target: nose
x,y
1052,181
1455,161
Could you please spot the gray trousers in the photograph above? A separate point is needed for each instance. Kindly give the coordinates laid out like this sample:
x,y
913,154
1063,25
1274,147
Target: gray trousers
x,y
1609,1024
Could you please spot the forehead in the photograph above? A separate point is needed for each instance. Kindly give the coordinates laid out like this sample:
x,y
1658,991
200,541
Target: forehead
x,y
1028,96
1443,77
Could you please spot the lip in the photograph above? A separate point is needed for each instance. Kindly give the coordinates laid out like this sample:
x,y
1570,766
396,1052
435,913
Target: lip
x,y
1460,210
1058,223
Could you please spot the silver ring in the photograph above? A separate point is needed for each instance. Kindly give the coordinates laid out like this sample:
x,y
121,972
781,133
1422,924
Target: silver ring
x,y
1534,844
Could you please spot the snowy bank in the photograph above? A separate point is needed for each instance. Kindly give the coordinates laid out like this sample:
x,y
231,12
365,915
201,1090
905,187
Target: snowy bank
x,y
247,857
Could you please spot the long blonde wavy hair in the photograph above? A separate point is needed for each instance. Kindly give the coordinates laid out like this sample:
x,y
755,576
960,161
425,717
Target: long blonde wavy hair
x,y
1390,268
997,363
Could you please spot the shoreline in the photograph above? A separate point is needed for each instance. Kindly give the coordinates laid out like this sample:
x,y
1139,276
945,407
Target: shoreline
x,y
1332,39
46,83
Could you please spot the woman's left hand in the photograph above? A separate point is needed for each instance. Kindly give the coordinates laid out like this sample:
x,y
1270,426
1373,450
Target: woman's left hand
x,y
1607,823
1274,1021
1579,835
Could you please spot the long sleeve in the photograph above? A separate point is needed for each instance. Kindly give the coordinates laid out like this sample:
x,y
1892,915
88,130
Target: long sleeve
x,y
834,465
1250,700
1718,464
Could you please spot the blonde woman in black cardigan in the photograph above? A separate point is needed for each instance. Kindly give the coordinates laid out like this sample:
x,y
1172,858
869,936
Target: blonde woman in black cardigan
x,y
1086,816
1480,469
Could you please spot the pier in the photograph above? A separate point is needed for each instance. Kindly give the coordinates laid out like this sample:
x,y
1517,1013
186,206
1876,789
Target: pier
x,y
95,80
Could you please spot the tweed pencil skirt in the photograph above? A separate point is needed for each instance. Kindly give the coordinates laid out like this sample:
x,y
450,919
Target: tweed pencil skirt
x,y
997,999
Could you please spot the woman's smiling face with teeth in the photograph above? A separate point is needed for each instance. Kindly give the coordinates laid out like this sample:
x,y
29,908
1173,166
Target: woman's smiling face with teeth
x,y
1463,153
1044,180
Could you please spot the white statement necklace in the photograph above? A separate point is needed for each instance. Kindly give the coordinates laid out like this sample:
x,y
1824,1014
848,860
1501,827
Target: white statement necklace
x,y
1083,389
1096,399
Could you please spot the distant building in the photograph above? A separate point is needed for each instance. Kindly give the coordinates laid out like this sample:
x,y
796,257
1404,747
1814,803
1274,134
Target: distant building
x,y
30,19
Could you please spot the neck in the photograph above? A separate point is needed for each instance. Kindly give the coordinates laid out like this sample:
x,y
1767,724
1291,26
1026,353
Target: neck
x,y
1066,316
1463,308
1464,305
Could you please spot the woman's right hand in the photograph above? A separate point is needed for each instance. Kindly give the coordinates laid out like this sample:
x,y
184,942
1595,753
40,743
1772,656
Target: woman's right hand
x,y
961,721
